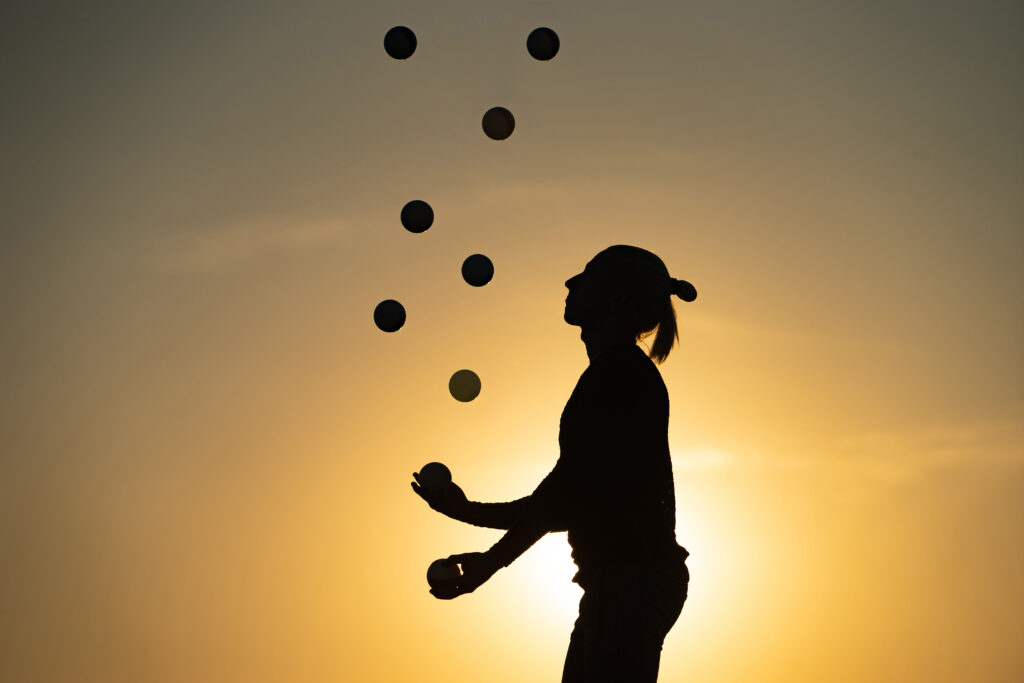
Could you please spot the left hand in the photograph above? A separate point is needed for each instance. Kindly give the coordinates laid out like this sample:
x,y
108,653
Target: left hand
x,y
476,569
449,499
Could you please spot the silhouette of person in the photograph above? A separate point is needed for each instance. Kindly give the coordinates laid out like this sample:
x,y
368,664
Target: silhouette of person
x,y
611,487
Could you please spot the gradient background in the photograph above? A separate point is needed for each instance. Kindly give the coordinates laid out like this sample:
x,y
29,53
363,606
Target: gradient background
x,y
205,444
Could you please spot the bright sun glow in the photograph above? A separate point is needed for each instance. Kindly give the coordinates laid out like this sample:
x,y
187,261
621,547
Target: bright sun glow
x,y
547,600
548,570
543,575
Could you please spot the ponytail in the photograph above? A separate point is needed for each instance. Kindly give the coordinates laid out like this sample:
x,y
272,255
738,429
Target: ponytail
x,y
645,279
668,331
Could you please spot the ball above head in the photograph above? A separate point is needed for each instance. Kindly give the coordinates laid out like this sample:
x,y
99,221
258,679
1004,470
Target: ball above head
x,y
464,385
400,42
498,123
389,315
434,476
477,270
417,216
542,44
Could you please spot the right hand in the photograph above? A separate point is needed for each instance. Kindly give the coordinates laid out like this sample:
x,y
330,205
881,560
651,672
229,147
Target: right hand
x,y
448,500
477,568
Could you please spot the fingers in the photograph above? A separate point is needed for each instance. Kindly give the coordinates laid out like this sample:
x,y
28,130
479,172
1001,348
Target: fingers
x,y
470,579
451,591
456,559
447,593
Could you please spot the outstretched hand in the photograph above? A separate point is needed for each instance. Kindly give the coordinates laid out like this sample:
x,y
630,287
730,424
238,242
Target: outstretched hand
x,y
476,569
448,500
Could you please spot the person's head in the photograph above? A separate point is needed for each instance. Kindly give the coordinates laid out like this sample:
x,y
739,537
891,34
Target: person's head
x,y
628,290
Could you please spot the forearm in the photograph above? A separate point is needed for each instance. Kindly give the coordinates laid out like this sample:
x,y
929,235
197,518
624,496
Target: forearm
x,y
515,542
542,512
502,515
493,515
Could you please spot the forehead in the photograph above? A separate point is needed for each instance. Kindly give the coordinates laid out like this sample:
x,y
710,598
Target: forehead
x,y
596,265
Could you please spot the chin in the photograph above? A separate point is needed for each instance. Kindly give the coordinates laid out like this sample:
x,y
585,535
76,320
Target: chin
x,y
571,314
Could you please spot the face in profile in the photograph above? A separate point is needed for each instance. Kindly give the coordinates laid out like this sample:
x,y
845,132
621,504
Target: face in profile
x,y
589,297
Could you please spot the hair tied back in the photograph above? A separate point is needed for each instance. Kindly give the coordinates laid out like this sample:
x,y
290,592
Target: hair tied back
x,y
684,290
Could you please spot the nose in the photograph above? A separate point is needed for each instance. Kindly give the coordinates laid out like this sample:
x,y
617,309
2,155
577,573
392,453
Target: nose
x,y
572,281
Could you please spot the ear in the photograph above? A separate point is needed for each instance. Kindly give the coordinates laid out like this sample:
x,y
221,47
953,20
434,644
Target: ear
x,y
617,299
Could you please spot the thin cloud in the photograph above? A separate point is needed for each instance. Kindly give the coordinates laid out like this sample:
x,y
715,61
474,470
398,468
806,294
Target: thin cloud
x,y
897,455
701,459
894,456
243,244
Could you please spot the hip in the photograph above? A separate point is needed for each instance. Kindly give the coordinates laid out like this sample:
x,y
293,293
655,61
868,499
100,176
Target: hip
x,y
641,598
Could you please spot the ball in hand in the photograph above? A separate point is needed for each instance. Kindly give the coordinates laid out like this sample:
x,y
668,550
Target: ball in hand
x,y
434,476
440,575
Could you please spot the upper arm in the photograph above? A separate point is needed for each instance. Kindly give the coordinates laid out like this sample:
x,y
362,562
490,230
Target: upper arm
x,y
552,497
626,415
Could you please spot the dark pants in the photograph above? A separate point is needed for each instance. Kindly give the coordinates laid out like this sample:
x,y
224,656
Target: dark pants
x,y
625,614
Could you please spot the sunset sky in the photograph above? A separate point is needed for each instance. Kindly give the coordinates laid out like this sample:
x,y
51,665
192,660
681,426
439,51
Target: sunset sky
x,y
206,444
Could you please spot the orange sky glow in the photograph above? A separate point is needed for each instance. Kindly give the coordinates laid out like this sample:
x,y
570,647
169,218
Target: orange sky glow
x,y
206,445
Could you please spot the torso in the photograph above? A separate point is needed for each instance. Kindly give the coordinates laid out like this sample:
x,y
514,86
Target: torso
x,y
613,435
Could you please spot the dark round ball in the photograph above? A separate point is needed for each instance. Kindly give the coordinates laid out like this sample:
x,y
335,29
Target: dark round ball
x,y
477,270
435,475
400,42
464,386
542,44
499,123
389,315
417,216
443,576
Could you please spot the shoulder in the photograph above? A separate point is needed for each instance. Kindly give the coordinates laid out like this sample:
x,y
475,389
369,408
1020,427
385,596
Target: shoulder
x,y
630,372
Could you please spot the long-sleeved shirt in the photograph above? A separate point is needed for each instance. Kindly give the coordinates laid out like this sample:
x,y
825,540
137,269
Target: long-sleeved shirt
x,y
612,486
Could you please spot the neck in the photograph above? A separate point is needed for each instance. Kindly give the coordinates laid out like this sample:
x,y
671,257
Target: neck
x,y
599,340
